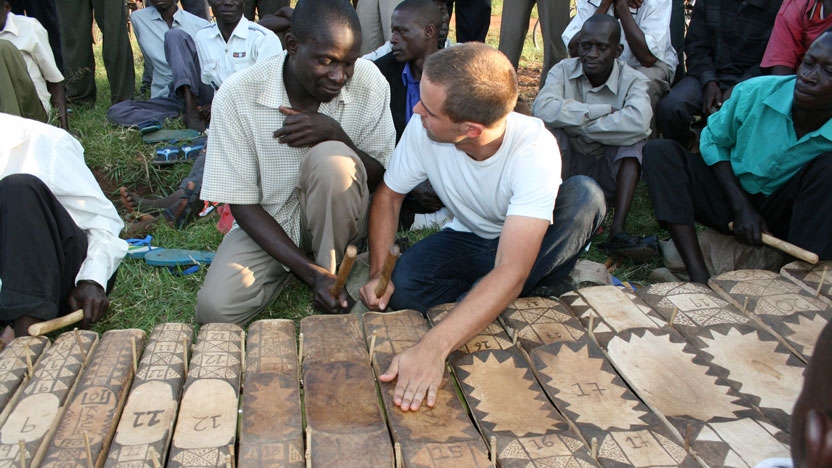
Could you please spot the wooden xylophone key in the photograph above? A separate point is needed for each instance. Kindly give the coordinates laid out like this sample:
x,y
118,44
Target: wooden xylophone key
x,y
35,416
147,421
814,279
511,410
271,432
755,362
15,360
206,427
342,409
791,313
678,381
589,392
429,437
91,416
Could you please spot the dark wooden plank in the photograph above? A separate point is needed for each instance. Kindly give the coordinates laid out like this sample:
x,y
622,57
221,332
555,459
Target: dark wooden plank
x,y
35,416
146,424
343,416
95,407
508,405
430,437
271,432
206,428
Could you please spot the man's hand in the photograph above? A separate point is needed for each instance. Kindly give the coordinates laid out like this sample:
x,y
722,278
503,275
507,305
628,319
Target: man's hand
x,y
634,4
420,370
373,302
749,226
711,99
308,128
321,287
426,196
91,297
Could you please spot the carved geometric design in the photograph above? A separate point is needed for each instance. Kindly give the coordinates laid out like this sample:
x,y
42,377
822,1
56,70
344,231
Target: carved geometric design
x,y
13,365
540,321
809,277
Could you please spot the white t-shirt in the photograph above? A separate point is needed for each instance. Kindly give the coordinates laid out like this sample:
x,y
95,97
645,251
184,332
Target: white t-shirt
x,y
521,178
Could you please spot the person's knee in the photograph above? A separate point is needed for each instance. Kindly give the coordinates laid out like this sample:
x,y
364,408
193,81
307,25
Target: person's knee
x,y
330,164
174,36
15,186
656,153
583,191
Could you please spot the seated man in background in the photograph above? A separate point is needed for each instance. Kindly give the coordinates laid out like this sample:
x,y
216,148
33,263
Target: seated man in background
x,y
30,79
296,146
416,25
597,107
231,44
515,227
724,45
647,45
160,30
766,165
59,245
798,24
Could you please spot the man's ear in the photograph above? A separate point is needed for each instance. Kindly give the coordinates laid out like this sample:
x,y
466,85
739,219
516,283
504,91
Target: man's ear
x,y
817,432
618,50
291,43
473,129
430,31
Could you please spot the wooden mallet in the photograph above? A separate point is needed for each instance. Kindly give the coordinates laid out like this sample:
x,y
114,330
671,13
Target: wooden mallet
x,y
783,246
42,328
387,270
344,271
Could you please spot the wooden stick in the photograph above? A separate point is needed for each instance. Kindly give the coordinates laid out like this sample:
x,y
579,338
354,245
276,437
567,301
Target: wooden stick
x,y
745,306
22,445
308,445
135,357
822,278
231,455
494,450
591,325
344,271
89,450
593,448
42,328
29,359
387,270
185,347
688,433
154,458
300,350
783,246
673,315
397,453
228,461
372,347
80,343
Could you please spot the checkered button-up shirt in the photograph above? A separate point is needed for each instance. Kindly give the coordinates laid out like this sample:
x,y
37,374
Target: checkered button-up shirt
x,y
246,165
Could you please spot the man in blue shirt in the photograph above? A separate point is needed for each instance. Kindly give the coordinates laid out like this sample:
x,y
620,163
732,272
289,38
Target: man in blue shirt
x,y
766,165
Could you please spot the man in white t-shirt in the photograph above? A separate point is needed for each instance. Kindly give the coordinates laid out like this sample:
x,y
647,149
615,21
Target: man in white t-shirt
x,y
496,172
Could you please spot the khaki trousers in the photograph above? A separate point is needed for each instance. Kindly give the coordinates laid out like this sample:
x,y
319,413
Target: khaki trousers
x,y
334,201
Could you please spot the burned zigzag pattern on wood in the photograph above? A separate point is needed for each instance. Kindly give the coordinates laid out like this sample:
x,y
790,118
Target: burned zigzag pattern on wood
x,y
814,279
14,364
538,321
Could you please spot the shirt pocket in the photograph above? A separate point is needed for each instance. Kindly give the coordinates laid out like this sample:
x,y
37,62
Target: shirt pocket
x,y
209,70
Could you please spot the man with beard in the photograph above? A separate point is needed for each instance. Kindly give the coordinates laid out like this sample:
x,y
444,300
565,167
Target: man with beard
x,y
515,227
296,146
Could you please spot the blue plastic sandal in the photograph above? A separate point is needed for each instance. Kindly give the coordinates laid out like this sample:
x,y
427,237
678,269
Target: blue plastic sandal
x,y
167,156
138,248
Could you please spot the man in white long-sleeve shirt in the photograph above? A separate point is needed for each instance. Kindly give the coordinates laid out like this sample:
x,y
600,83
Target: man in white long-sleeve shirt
x,y
59,244
599,109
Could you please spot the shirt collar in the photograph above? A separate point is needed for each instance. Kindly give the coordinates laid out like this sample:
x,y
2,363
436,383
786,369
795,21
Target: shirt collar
x,y
11,25
274,92
177,15
407,75
241,30
781,102
612,81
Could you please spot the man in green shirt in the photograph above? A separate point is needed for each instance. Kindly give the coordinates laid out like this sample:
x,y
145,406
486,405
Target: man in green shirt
x,y
766,165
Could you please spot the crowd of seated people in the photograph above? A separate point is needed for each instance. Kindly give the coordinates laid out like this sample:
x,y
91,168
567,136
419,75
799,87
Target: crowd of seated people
x,y
302,133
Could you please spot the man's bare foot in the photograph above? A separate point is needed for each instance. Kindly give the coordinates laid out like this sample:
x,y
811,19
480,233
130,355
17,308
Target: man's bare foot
x,y
172,214
141,226
133,202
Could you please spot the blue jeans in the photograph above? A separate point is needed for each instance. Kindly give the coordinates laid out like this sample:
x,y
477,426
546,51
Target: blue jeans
x,y
446,265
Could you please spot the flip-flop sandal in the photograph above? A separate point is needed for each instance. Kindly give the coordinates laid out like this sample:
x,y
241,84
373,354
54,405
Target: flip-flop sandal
x,y
191,206
190,151
171,136
638,249
178,257
167,156
138,247
149,126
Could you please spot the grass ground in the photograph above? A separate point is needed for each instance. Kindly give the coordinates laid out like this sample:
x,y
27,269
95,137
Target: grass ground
x,y
145,296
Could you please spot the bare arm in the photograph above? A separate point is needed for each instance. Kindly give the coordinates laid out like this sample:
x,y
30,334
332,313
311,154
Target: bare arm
x,y
782,70
268,234
420,369
384,218
311,128
59,101
634,35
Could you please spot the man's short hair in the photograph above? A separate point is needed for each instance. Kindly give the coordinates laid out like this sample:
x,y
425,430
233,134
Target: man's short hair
x,y
479,81
615,27
310,15
426,11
